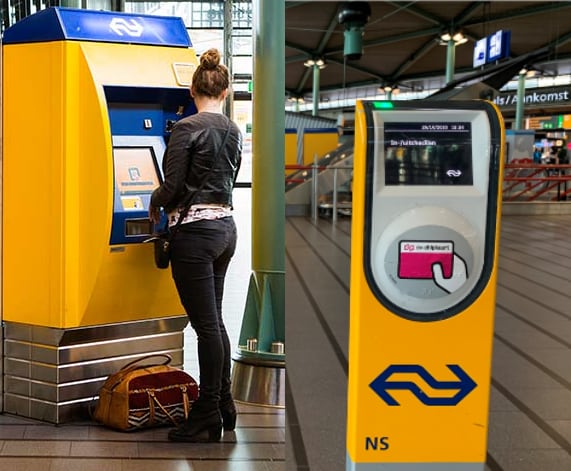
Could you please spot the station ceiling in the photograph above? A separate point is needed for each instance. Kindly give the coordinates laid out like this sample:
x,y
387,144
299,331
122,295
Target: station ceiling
x,y
401,41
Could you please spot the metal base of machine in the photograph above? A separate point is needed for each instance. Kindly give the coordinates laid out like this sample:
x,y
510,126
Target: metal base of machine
x,y
258,382
413,466
54,375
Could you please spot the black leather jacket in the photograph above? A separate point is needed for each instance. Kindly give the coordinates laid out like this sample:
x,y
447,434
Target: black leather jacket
x,y
193,146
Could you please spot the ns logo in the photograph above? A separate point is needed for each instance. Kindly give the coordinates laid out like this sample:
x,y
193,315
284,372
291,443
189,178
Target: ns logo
x,y
131,27
377,443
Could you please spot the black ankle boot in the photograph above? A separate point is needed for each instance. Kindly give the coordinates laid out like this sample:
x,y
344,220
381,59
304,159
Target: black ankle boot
x,y
228,413
200,426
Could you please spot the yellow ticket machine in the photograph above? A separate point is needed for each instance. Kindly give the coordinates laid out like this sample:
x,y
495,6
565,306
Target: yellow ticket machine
x,y
426,207
89,99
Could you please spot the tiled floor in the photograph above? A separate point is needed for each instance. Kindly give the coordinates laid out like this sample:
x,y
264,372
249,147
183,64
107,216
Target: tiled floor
x,y
530,417
530,412
256,445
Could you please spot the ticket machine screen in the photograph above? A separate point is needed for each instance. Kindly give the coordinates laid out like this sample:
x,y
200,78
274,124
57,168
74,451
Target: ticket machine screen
x,y
136,176
135,170
434,153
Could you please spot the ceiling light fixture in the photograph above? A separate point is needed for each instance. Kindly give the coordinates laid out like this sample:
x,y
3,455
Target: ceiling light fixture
x,y
457,37
392,89
528,72
319,62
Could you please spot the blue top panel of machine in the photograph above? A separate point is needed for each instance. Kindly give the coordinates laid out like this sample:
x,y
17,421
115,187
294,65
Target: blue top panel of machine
x,y
54,24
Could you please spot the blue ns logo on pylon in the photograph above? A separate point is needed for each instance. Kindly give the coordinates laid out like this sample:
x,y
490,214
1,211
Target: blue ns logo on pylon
x,y
462,387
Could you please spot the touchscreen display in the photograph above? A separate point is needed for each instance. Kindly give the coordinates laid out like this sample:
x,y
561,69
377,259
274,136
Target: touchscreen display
x,y
135,170
435,153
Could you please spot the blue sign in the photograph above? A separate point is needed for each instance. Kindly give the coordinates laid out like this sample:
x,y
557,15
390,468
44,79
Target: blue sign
x,y
492,48
54,24
462,387
480,52
498,45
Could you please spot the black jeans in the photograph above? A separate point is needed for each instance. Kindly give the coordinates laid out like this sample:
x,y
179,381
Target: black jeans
x,y
200,254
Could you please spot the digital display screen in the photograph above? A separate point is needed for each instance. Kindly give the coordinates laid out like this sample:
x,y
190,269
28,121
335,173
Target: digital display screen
x,y
135,170
434,153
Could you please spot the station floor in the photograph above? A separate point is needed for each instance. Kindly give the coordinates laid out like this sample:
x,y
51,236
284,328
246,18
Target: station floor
x,y
530,412
258,444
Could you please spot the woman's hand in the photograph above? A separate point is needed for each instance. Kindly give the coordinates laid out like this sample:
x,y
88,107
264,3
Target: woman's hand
x,y
154,214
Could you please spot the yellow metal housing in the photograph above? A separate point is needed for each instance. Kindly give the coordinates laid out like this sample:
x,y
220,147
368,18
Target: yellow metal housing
x,y
58,267
413,433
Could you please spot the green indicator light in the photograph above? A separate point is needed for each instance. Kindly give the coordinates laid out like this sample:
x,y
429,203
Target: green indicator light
x,y
383,105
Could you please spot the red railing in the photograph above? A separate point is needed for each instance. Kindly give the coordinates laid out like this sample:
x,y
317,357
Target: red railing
x,y
526,181
523,180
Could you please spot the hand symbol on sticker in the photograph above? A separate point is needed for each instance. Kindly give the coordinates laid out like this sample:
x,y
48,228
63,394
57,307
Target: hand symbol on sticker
x,y
454,282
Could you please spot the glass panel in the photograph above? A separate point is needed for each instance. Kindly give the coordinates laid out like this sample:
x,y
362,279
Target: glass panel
x,y
242,15
242,45
200,15
243,118
242,65
204,39
71,3
99,5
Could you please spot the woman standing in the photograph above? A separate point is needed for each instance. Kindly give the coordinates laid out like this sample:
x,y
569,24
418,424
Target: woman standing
x,y
201,164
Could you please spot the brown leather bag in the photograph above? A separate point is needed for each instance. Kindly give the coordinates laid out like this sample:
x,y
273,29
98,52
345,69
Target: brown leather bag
x,y
141,396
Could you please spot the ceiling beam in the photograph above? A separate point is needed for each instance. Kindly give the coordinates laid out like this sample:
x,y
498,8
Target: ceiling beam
x,y
469,17
289,4
392,39
363,70
463,16
320,47
415,56
563,39
458,21
306,54
421,13
519,13
297,58
429,45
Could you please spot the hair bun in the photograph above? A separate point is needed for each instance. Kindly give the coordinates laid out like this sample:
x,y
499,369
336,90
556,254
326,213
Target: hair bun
x,y
210,59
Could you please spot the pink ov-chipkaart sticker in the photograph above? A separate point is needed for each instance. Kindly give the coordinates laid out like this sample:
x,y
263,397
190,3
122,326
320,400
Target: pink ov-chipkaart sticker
x,y
416,258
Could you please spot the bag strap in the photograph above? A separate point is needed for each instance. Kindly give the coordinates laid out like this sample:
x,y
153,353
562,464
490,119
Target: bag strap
x,y
188,204
153,399
131,364
127,369
134,365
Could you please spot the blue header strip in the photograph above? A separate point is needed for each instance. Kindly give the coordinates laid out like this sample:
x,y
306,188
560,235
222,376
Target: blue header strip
x,y
55,24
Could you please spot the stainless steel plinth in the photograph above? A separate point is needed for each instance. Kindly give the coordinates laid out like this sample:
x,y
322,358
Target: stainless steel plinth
x,y
259,382
54,375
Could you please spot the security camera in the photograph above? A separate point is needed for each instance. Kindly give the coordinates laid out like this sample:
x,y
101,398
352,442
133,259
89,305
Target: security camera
x,y
354,16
